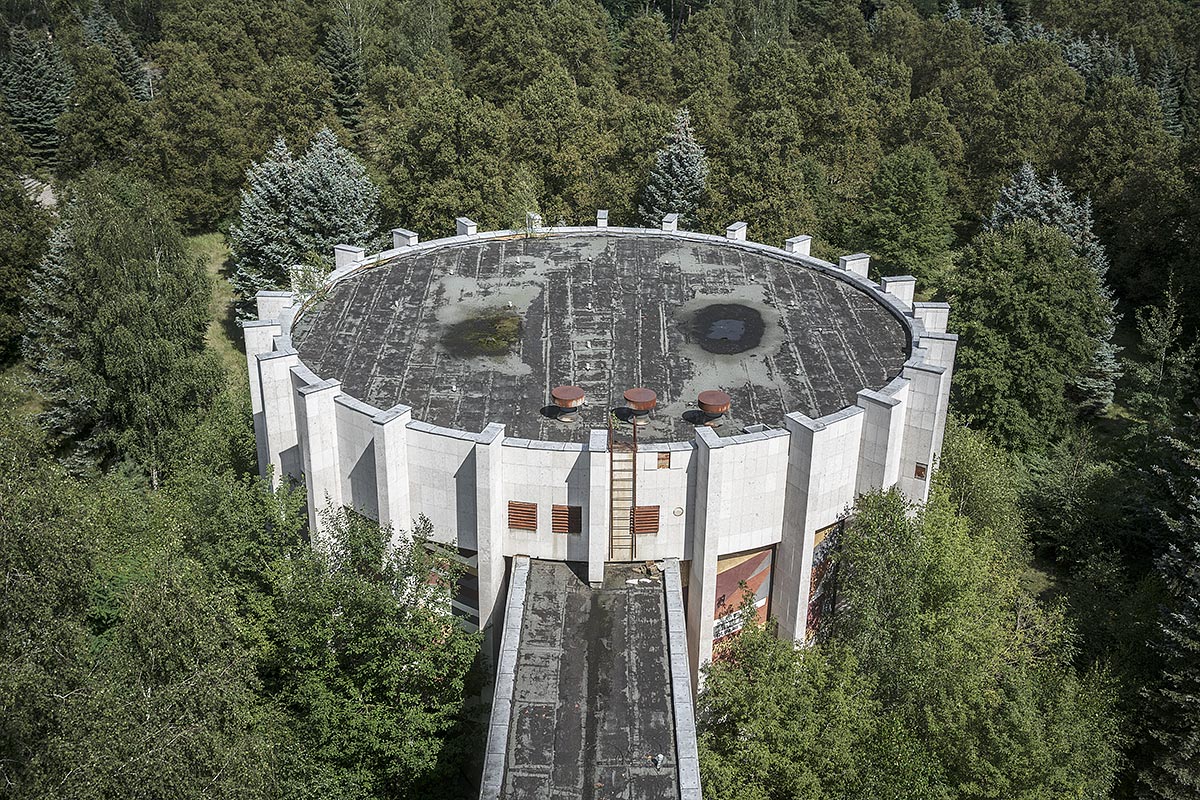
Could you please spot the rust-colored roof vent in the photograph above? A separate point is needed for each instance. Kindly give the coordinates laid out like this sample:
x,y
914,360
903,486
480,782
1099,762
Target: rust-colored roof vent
x,y
713,404
641,402
568,399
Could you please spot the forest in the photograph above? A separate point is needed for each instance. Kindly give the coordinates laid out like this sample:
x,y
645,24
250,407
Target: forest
x,y
169,631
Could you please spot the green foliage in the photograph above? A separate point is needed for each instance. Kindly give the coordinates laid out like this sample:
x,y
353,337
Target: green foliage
x,y
906,220
366,658
645,62
298,208
105,125
677,180
24,227
115,327
1028,311
342,56
1164,370
100,28
35,83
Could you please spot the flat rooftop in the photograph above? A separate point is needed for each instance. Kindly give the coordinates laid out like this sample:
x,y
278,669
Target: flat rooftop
x,y
482,331
592,694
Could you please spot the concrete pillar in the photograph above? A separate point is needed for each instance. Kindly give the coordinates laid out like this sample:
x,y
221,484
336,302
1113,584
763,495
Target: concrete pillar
x,y
465,227
344,255
800,245
934,316
670,222
403,237
712,494
259,335
857,263
491,525
925,416
901,287
598,505
882,439
282,456
822,464
940,349
602,218
271,304
736,232
317,433
391,469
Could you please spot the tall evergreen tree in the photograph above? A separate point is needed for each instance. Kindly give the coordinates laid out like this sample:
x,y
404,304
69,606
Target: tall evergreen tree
x,y
645,59
105,125
342,57
1050,203
1169,85
35,83
678,177
115,322
1174,772
1164,371
100,28
24,227
296,209
989,18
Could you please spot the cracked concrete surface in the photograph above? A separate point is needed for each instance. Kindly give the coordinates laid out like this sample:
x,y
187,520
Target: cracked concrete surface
x,y
607,312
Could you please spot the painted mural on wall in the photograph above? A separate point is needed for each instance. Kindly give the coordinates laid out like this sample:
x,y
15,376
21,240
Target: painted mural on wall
x,y
822,593
752,567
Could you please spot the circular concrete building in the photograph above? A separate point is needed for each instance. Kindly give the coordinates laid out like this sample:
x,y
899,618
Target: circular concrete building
x,y
601,395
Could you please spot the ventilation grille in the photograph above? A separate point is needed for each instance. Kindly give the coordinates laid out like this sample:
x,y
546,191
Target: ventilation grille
x,y
567,519
522,516
645,519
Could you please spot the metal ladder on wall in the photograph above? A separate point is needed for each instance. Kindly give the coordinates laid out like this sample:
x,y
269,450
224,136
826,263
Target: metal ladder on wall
x,y
622,488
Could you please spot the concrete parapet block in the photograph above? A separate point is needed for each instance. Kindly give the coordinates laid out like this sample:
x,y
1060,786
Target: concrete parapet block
x,y
882,440
466,227
403,237
736,232
687,755
274,375
902,287
933,316
316,427
270,305
670,222
857,263
506,670
344,255
799,245
602,218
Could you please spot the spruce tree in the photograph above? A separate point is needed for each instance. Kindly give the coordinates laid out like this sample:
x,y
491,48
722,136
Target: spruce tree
x,y
1050,203
100,28
953,12
115,326
342,57
24,227
989,18
297,209
1169,86
35,83
678,178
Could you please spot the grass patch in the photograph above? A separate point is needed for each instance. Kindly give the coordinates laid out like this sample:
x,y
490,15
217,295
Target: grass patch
x,y
17,392
492,334
224,337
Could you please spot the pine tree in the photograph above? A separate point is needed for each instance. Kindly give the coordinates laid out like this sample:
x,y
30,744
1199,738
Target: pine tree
x,y
297,209
953,12
116,320
24,227
100,28
342,57
1163,373
35,82
678,178
1169,86
1050,203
